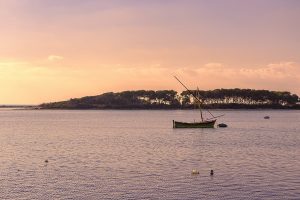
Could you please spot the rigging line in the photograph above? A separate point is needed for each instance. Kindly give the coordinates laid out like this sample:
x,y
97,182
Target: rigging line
x,y
192,95
211,114
215,117
187,89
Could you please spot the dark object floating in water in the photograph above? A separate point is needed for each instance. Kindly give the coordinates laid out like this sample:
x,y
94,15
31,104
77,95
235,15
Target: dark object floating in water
x,y
46,161
267,117
222,125
211,172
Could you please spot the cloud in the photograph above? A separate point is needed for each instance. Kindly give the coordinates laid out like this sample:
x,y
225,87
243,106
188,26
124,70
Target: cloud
x,y
12,63
141,71
213,65
20,80
273,76
282,70
54,58
279,70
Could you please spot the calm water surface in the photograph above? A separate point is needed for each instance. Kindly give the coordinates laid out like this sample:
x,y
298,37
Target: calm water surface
x,y
138,155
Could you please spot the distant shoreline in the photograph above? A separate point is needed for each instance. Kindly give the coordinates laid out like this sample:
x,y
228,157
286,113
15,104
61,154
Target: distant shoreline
x,y
235,99
172,100
139,109
146,109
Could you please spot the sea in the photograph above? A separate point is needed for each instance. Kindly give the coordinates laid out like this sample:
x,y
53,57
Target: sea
x,y
136,154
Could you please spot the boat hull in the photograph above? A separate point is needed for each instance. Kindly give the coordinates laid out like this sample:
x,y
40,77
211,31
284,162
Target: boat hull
x,y
204,124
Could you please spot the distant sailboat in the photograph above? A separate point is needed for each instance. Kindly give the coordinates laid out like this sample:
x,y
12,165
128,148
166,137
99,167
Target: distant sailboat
x,y
204,123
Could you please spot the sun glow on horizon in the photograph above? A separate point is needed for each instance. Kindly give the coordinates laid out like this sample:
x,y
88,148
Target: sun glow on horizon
x,y
56,50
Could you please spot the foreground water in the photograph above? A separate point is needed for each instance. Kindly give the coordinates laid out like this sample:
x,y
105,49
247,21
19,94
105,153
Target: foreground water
x,y
137,155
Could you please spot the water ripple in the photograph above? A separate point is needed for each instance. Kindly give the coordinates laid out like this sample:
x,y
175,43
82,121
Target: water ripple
x,y
137,155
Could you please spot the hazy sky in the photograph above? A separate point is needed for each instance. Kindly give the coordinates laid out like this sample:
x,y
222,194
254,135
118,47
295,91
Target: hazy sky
x,y
53,50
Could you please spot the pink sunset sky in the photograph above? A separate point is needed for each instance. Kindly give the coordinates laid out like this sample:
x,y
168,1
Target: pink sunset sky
x,y
53,50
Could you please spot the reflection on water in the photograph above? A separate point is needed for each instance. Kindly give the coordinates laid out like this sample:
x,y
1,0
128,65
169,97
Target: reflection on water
x,y
138,155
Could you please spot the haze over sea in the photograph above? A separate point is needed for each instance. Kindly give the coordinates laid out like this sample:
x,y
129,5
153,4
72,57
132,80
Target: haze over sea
x,y
138,155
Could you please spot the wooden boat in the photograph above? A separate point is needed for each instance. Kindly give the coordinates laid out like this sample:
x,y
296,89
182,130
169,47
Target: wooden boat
x,y
204,123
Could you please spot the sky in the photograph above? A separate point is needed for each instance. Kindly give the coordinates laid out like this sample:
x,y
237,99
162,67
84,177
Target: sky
x,y
53,50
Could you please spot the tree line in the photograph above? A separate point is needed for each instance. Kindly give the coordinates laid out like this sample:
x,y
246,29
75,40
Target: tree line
x,y
170,99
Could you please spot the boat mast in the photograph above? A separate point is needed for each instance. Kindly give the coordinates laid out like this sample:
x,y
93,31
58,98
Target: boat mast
x,y
198,94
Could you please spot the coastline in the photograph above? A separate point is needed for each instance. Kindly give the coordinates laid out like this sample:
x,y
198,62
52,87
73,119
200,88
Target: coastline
x,y
142,109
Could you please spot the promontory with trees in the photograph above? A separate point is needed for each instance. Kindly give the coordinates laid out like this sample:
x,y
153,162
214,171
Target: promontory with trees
x,y
170,99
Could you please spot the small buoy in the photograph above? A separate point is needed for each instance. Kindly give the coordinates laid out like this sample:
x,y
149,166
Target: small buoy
x,y
267,117
194,171
222,125
211,172
46,161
